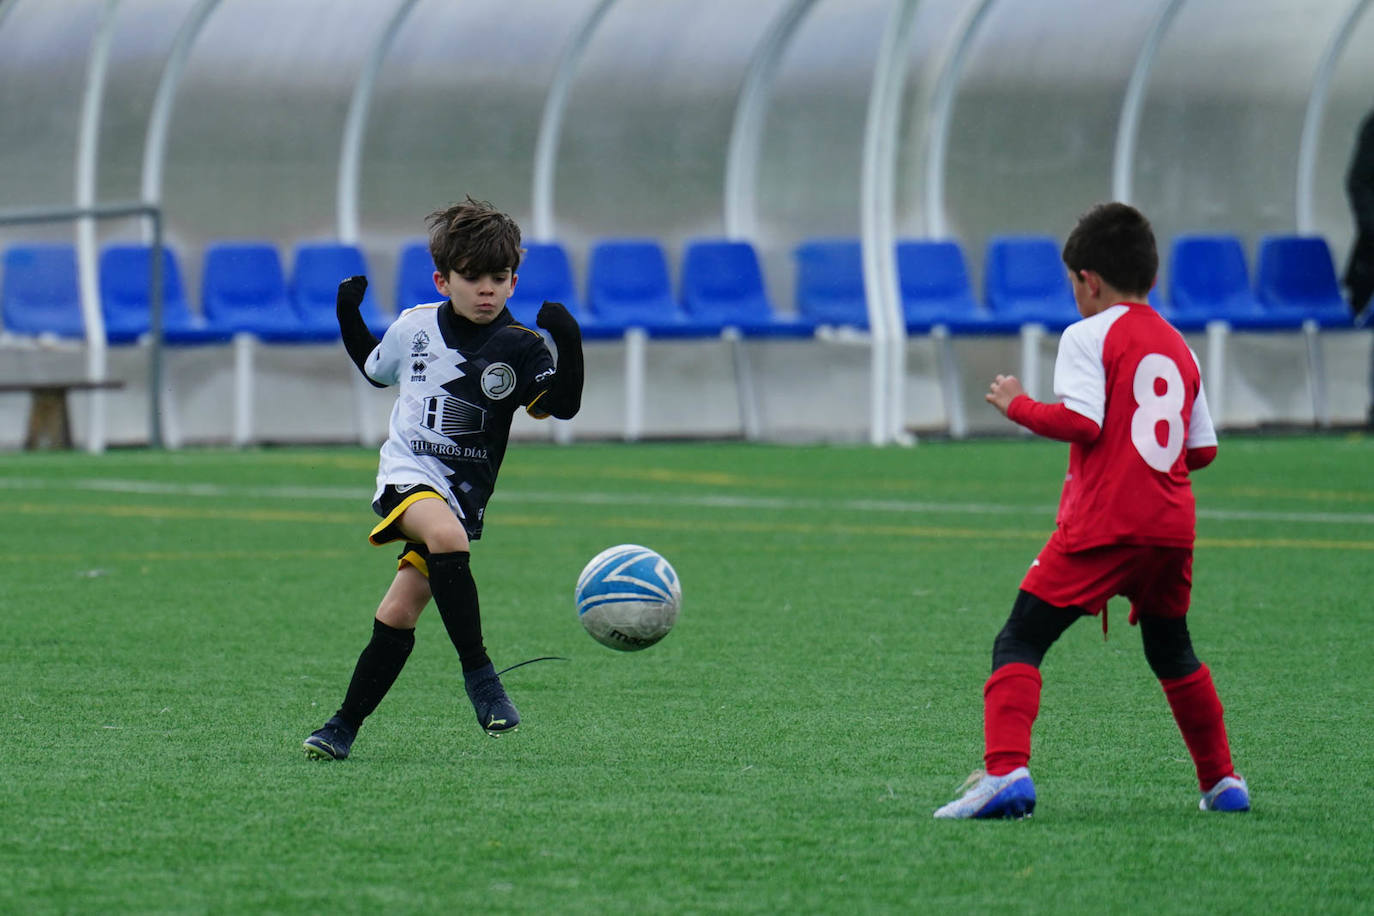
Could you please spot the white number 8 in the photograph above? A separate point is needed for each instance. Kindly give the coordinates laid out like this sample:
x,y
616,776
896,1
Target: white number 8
x,y
1156,407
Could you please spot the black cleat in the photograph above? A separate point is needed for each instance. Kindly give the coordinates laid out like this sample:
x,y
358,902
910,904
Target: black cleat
x,y
495,712
331,742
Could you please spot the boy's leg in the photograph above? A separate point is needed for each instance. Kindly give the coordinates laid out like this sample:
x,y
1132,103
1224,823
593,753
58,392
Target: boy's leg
x,y
455,594
378,667
1192,696
445,563
381,661
393,637
1197,710
1011,696
1011,701
1161,608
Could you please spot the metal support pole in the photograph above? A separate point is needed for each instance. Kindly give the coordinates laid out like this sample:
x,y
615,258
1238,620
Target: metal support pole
x,y
551,121
1316,109
155,321
1132,104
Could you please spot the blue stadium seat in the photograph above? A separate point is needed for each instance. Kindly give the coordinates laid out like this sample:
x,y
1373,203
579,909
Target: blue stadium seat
x,y
315,277
830,282
1209,281
628,287
544,275
41,292
244,290
1025,280
1296,279
935,288
722,285
126,298
415,277
933,285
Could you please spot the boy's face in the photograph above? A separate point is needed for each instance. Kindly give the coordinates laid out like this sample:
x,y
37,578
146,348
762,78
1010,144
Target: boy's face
x,y
477,297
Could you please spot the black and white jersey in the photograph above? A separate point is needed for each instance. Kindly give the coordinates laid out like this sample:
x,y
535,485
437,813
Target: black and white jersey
x,y
460,385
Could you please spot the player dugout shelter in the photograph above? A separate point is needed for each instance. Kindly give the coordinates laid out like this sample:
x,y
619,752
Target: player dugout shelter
x,y
772,122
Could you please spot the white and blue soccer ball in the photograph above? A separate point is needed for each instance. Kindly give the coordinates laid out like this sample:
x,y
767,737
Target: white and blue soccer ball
x,y
628,597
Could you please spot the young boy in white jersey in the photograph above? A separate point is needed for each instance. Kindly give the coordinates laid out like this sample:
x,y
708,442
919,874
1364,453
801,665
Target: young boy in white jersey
x,y
463,366
1132,408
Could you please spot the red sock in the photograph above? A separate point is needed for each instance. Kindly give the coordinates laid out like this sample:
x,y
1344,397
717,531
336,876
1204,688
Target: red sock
x,y
1198,712
1011,700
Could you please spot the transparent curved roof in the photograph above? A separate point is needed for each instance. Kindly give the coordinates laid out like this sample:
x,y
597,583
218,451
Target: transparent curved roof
x,y
673,119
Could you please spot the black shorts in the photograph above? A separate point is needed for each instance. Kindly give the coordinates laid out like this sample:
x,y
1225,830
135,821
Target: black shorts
x,y
390,505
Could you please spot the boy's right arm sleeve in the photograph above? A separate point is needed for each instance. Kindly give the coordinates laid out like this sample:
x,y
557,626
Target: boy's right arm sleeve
x,y
357,339
1053,421
563,398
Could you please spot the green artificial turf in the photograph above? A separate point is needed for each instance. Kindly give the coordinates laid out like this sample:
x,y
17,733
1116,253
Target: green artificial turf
x,y
176,623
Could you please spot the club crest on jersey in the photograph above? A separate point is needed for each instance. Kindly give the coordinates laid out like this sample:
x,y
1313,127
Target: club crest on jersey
x,y
419,344
498,381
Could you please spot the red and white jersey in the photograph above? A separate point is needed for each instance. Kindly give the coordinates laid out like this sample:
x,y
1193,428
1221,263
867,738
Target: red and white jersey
x,y
1131,372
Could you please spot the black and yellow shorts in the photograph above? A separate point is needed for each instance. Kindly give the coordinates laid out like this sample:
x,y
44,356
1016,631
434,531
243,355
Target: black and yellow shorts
x,y
393,501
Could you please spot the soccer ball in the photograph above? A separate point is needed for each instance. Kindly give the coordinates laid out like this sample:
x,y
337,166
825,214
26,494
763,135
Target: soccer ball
x,y
628,597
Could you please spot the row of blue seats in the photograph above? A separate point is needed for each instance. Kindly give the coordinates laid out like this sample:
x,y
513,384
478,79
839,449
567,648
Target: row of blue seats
x,y
1024,281
244,288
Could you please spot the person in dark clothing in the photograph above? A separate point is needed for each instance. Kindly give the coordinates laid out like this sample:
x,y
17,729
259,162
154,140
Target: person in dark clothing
x,y
463,366
1359,186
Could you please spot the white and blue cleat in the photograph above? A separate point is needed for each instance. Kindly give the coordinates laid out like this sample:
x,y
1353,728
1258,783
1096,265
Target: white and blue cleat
x,y
1230,794
1011,796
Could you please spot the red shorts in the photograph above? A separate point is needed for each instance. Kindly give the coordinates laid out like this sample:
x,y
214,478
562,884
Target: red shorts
x,y
1157,580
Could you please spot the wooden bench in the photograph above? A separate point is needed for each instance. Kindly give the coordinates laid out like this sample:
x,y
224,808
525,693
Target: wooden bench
x,y
49,421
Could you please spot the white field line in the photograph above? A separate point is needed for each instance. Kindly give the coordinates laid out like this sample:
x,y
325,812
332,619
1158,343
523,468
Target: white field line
x,y
703,500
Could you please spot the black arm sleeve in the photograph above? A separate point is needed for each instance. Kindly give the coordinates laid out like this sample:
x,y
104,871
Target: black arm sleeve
x,y
563,398
357,339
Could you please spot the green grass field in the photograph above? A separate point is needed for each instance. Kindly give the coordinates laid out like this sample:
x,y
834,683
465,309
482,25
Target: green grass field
x,y
174,624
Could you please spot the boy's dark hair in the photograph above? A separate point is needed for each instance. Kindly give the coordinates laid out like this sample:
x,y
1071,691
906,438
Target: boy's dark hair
x,y
473,237
1114,240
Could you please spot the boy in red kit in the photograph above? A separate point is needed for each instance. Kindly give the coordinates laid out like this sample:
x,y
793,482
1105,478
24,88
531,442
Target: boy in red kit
x,y
1132,409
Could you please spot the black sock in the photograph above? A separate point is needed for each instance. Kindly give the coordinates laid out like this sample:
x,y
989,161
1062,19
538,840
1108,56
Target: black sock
x,y
378,666
455,595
